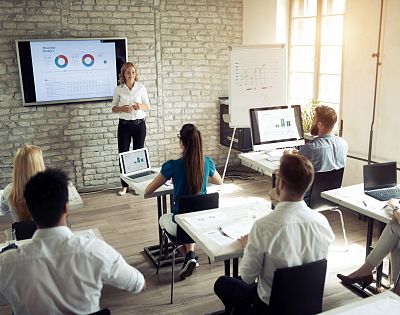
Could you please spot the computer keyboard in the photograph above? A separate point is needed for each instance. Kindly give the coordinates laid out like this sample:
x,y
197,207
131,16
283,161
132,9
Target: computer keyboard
x,y
141,175
385,194
276,153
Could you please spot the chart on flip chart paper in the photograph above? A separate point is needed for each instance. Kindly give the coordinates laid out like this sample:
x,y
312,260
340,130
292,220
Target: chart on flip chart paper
x,y
257,78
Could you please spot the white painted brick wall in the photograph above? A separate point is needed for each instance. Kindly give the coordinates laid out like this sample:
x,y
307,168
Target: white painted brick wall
x,y
181,48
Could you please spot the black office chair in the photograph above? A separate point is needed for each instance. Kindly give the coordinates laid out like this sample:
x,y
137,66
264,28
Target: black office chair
x,y
298,290
104,311
24,229
325,181
186,204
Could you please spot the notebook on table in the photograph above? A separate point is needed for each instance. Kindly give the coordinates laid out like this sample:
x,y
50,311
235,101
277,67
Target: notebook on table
x,y
380,181
135,166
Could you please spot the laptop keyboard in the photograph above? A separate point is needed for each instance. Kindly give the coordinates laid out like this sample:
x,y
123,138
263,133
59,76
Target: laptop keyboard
x,y
141,175
385,194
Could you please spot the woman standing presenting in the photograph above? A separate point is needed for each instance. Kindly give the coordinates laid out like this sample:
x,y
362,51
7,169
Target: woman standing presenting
x,y
130,100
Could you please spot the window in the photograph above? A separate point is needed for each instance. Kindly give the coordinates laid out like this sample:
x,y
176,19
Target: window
x,y
315,51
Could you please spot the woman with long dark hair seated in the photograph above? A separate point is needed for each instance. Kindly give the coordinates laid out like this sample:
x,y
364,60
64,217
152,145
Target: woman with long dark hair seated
x,y
190,175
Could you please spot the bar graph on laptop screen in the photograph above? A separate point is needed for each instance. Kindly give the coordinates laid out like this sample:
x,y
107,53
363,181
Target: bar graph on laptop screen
x,y
135,161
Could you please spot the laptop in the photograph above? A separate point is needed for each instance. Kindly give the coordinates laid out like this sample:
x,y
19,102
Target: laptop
x,y
135,166
380,181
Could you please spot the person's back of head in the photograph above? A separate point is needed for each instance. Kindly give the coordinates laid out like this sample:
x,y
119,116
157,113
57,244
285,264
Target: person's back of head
x,y
327,116
193,158
297,173
28,161
46,196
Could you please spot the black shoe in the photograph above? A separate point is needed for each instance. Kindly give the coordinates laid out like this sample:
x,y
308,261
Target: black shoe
x,y
188,265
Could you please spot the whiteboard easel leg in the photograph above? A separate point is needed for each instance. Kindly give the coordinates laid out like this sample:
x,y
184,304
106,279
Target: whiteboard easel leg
x,y
229,154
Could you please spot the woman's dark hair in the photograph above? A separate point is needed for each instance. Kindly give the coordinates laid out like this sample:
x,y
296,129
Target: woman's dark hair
x,y
193,157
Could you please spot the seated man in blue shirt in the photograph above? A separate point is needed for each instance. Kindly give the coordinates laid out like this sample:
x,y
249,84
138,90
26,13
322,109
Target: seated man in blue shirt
x,y
326,152
58,272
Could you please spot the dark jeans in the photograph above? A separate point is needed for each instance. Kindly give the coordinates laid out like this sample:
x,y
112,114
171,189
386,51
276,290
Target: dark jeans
x,y
239,296
128,130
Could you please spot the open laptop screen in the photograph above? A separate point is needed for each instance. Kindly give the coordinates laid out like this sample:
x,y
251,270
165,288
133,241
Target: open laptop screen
x,y
134,161
380,175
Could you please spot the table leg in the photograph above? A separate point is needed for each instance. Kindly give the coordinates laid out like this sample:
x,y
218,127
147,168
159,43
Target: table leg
x,y
159,213
227,264
235,267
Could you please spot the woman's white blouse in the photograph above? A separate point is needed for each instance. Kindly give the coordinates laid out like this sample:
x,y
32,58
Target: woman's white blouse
x,y
124,96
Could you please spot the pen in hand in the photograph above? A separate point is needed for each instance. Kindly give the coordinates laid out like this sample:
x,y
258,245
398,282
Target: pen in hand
x,y
223,233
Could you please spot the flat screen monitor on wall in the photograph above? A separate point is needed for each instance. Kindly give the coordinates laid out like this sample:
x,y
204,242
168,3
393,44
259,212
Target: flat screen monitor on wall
x,y
59,71
276,127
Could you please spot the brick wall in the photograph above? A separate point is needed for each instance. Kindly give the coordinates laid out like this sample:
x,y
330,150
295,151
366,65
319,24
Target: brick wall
x,y
180,47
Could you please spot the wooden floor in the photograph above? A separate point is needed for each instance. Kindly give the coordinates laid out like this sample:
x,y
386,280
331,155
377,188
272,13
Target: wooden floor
x,y
129,223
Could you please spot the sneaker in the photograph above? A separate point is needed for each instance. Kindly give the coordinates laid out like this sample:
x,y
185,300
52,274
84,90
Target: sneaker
x,y
122,192
188,266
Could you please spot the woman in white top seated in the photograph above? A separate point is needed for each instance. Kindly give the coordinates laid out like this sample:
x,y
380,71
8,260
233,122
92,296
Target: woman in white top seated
x,y
130,101
27,162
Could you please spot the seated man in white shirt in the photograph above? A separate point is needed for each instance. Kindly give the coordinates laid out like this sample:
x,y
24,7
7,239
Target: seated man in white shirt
x,y
291,235
59,273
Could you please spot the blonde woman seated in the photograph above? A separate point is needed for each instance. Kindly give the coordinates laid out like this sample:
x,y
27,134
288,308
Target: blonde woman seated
x,y
190,175
388,243
28,162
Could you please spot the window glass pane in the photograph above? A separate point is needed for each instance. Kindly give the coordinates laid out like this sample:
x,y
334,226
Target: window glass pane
x,y
302,58
301,85
302,8
332,30
333,6
331,59
303,31
329,88
298,101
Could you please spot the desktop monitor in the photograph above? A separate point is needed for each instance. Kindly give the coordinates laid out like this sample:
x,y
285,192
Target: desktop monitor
x,y
276,127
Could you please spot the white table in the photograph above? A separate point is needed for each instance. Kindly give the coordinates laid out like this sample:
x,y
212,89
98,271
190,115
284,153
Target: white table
x,y
74,199
258,161
208,236
354,198
386,303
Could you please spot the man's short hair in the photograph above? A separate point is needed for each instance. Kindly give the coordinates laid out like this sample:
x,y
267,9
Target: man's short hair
x,y
326,115
297,172
46,194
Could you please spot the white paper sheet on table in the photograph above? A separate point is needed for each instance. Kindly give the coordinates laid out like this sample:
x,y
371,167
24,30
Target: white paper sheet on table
x,y
236,230
208,220
218,238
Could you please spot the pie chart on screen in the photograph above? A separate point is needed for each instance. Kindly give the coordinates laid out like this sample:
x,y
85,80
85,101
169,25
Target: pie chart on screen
x,y
88,60
61,61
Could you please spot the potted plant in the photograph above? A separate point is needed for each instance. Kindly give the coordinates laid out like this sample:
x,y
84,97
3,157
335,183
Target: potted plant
x,y
307,114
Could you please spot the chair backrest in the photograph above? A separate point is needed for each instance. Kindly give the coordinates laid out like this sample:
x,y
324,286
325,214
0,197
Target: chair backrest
x,y
104,311
192,203
324,181
298,290
24,229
